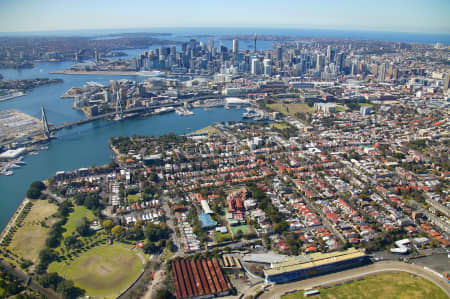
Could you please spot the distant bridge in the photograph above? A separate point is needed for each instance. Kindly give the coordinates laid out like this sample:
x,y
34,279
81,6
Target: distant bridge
x,y
118,114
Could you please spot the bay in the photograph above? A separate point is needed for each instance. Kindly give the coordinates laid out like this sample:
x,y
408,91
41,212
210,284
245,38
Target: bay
x,y
85,145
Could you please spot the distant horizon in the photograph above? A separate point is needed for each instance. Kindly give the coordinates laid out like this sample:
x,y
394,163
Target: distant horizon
x,y
177,32
418,16
141,29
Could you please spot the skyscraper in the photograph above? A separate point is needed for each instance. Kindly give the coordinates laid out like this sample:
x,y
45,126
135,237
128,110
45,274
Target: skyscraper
x,y
382,72
340,61
446,82
267,63
331,53
210,45
320,63
256,66
279,53
235,47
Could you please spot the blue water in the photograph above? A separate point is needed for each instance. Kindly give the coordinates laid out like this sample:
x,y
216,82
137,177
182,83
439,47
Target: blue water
x,y
424,38
84,145
88,144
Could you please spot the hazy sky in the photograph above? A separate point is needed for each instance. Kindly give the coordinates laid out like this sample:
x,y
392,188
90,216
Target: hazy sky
x,y
384,15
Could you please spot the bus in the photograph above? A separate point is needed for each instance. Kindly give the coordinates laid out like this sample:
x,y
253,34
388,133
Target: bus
x,y
310,292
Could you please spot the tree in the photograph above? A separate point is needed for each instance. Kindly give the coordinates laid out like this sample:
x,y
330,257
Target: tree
x,y
83,227
155,232
163,294
169,245
72,242
117,231
69,290
134,233
107,225
280,227
50,280
150,248
35,190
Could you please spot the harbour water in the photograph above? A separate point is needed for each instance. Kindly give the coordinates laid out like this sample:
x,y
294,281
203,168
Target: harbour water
x,y
87,145
84,145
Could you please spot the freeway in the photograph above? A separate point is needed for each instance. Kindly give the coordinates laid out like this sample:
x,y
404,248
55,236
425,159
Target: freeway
x,y
278,290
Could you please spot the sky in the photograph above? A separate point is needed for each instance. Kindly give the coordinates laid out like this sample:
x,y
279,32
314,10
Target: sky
x,y
428,16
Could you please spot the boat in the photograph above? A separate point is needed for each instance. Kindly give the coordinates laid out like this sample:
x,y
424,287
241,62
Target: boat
x,y
227,107
34,153
183,111
149,73
8,173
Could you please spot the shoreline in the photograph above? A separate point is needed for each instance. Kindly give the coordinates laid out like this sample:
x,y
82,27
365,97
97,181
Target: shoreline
x,y
13,218
12,96
114,73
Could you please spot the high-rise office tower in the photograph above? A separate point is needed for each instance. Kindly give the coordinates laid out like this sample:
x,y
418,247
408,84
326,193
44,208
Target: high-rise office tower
x,y
279,53
210,45
340,61
382,72
447,82
235,47
267,67
173,50
256,66
331,53
320,63
184,47
192,43
203,46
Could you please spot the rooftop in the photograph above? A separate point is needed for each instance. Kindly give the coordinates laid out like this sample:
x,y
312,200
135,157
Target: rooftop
x,y
313,260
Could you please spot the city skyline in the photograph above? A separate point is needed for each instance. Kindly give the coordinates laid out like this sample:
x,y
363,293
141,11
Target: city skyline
x,y
398,16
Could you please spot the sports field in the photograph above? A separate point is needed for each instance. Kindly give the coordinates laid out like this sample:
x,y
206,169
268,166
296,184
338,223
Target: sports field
x,y
30,237
102,271
382,286
291,109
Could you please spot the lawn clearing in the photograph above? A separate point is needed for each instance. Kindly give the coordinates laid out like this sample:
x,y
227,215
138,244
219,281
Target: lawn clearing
x,y
291,109
78,213
41,209
244,228
102,271
340,108
280,126
207,130
30,237
381,286
132,198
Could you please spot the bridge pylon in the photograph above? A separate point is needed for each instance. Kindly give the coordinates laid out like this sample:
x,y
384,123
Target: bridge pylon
x,y
45,127
119,110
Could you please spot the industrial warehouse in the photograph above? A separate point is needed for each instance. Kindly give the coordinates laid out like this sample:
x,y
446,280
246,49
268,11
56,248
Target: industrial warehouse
x,y
201,278
305,266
